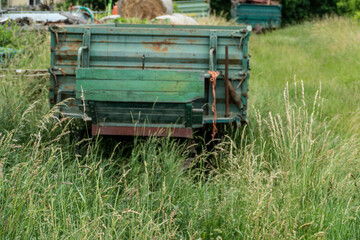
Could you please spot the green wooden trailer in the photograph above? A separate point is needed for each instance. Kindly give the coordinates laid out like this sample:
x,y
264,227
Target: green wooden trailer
x,y
130,79
266,16
193,8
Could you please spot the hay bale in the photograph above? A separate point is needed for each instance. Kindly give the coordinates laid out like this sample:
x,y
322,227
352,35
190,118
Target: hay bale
x,y
144,9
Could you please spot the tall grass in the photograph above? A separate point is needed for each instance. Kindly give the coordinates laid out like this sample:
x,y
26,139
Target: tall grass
x,y
292,173
325,52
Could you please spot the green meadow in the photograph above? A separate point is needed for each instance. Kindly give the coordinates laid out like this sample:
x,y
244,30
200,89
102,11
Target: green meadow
x,y
292,173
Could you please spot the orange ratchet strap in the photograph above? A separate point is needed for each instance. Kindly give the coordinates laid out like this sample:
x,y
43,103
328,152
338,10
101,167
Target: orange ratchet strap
x,y
213,78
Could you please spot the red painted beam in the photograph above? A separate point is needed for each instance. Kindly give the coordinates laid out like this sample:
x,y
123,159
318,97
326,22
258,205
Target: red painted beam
x,y
142,131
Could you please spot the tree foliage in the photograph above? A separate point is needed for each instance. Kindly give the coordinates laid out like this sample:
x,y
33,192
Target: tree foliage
x,y
5,36
221,6
92,4
294,11
349,7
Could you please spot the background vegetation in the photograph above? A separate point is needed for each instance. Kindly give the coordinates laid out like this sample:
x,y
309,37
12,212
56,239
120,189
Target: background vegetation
x,y
5,36
349,7
293,11
292,173
93,4
296,11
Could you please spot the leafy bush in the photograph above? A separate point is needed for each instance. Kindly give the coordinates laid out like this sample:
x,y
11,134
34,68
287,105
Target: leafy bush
x,y
221,7
5,35
349,7
293,11
92,4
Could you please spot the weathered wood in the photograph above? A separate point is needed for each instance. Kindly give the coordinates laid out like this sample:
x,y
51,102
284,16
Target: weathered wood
x,y
125,74
141,106
148,73
138,96
138,85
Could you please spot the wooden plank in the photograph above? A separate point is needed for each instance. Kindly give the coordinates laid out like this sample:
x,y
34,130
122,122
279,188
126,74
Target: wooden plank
x,y
119,85
125,74
156,30
140,106
77,28
136,85
132,96
137,111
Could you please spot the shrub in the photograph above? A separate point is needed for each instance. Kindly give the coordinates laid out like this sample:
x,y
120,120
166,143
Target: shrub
x,y
349,7
294,11
93,4
220,6
5,35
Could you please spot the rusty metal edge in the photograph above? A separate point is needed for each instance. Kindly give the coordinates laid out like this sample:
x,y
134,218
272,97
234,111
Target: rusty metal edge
x,y
141,131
